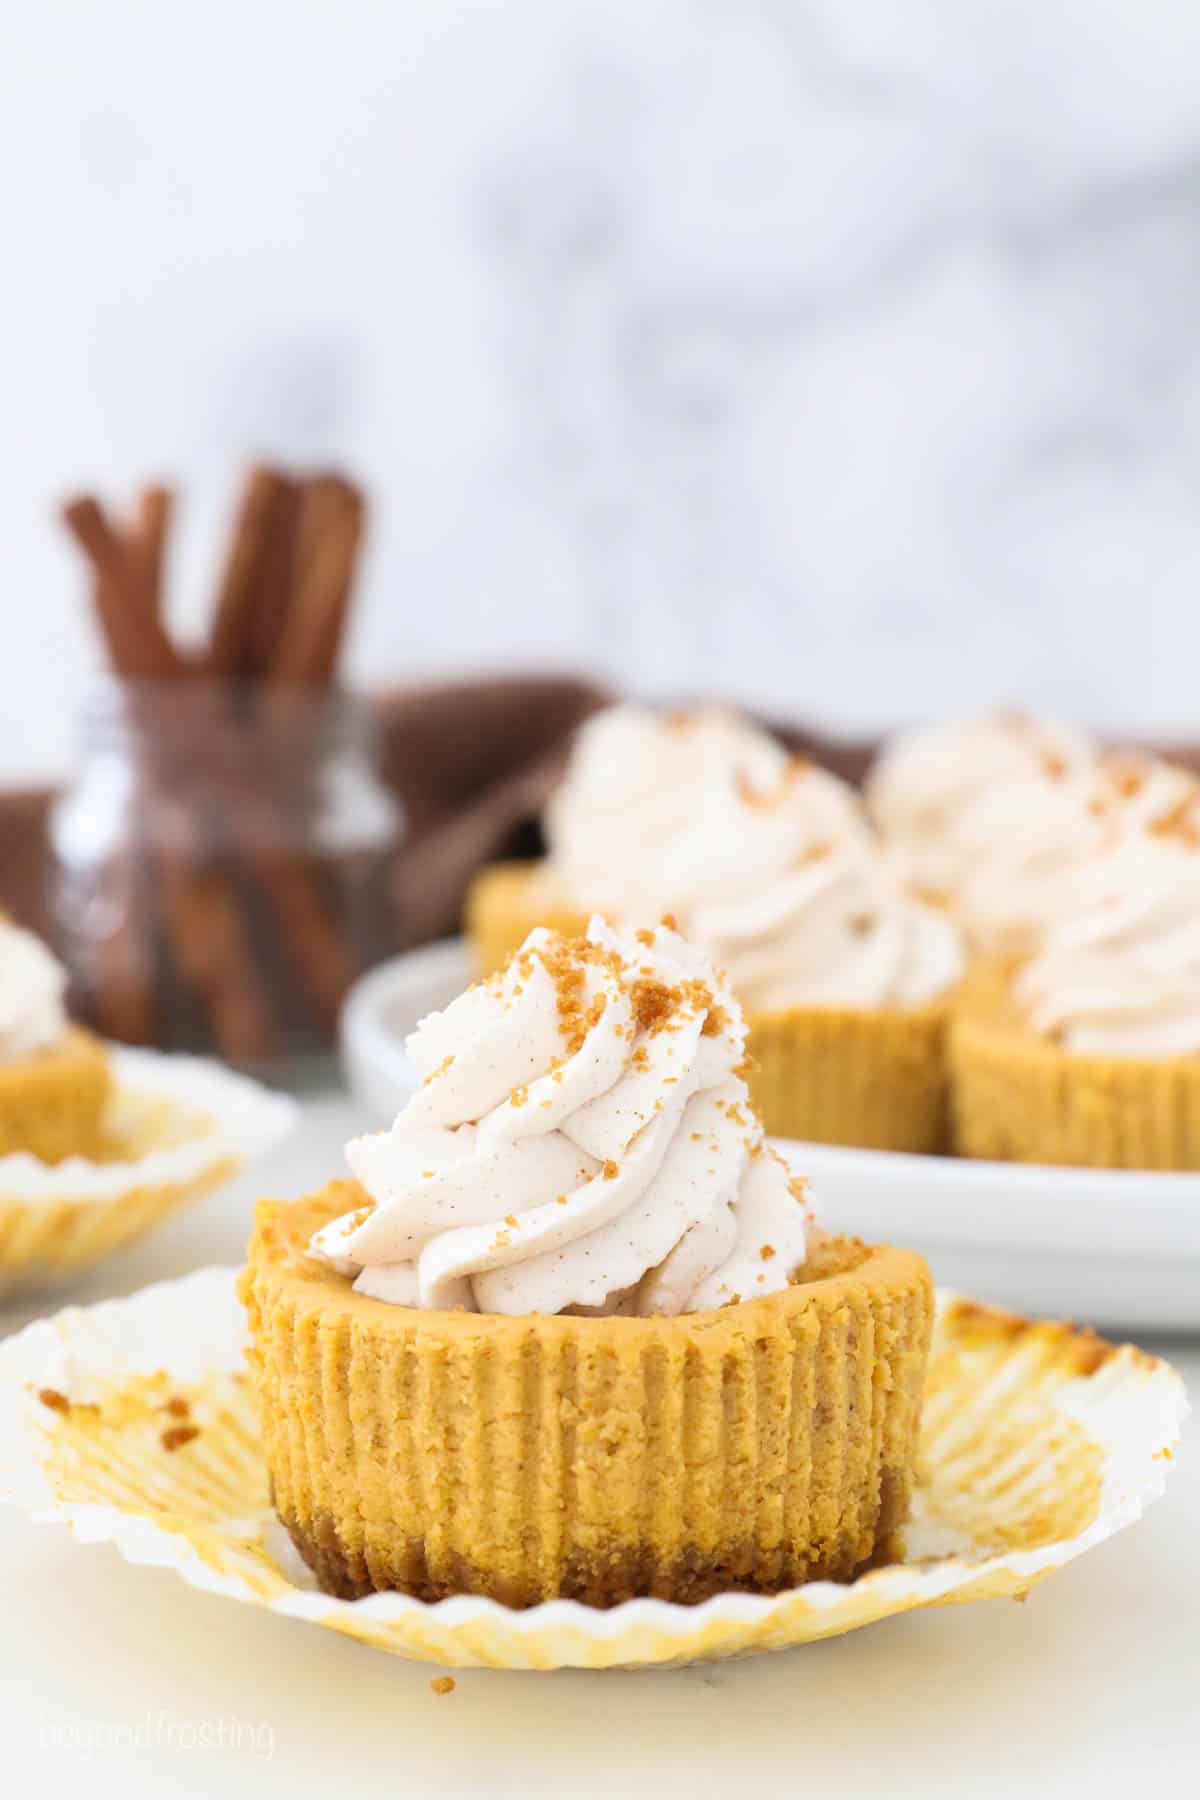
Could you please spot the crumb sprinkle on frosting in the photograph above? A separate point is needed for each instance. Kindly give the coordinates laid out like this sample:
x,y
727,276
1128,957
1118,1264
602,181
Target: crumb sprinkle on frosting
x,y
589,1145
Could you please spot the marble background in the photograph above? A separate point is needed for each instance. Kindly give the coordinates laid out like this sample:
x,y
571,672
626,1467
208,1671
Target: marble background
x,y
843,356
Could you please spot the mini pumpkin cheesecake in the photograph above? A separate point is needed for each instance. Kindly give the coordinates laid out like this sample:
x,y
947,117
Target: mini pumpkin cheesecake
x,y
55,1081
572,1331
1088,1052
769,863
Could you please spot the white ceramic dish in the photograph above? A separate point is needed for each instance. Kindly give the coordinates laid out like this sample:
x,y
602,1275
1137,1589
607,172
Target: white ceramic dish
x,y
1113,1248
1107,1247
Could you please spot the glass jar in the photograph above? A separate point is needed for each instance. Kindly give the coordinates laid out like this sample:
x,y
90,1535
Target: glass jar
x,y
222,865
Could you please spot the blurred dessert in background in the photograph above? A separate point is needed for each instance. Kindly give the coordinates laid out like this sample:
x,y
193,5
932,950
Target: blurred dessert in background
x,y
98,1143
1074,874
1034,849
769,863
997,818
55,1080
1088,1051
945,795
655,808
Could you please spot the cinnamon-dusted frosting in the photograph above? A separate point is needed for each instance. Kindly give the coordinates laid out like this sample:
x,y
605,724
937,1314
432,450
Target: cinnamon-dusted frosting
x,y
766,860
660,811
1122,977
842,929
946,795
32,983
583,1139
1033,843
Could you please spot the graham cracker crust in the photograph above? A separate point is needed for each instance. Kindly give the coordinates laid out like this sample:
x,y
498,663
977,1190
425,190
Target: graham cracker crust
x,y
602,1580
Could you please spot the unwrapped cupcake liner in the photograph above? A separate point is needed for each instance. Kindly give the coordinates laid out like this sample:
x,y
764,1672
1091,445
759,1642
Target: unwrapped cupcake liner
x,y
133,1422
179,1126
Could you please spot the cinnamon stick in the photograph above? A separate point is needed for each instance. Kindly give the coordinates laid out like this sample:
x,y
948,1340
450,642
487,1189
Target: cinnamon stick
x,y
265,495
332,518
137,643
280,616
210,940
272,607
312,941
148,542
316,944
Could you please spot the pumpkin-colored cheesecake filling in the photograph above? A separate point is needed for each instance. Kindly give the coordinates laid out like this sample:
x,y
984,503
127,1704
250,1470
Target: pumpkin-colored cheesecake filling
x,y
54,1077
571,1332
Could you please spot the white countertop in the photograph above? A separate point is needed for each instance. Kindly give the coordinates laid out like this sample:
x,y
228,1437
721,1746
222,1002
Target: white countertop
x,y
109,1674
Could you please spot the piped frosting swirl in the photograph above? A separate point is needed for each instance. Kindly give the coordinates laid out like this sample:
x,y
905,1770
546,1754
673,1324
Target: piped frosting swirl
x,y
661,810
947,795
766,860
582,1139
1122,976
32,984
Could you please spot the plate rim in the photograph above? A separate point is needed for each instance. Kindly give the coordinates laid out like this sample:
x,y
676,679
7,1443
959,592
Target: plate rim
x,y
364,1031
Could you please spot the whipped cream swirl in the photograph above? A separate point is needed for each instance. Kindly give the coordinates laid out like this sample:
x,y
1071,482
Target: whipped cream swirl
x,y
1122,977
32,983
1032,844
840,930
947,795
766,860
661,811
582,1141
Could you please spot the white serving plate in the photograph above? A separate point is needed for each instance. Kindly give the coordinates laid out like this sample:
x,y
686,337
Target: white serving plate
x,y
1108,1247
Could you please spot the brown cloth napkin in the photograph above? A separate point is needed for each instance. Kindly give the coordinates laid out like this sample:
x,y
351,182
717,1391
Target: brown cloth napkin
x,y
473,763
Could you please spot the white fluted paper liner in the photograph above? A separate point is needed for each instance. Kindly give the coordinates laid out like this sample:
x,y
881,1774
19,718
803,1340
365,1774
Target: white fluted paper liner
x,y
1039,1442
190,1124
